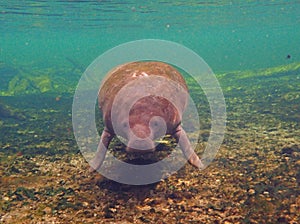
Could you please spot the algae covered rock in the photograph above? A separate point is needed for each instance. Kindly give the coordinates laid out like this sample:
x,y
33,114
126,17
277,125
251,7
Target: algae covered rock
x,y
35,81
29,85
42,83
18,85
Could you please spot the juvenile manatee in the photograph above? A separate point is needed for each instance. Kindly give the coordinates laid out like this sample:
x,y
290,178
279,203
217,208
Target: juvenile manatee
x,y
142,101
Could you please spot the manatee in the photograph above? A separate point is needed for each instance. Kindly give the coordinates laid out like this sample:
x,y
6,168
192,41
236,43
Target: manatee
x,y
142,101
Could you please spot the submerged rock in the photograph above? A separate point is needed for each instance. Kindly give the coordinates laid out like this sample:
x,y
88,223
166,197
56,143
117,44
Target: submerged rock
x,y
20,85
35,80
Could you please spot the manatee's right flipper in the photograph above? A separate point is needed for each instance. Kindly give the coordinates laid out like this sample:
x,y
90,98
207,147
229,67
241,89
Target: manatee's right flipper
x,y
185,145
97,161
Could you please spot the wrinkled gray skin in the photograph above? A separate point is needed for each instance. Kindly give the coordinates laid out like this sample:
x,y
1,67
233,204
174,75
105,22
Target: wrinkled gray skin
x,y
138,119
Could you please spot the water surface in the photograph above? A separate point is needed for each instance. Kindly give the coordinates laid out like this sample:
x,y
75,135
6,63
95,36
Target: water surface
x,y
229,35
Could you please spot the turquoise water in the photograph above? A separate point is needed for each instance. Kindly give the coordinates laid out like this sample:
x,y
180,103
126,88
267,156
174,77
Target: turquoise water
x,y
229,35
252,46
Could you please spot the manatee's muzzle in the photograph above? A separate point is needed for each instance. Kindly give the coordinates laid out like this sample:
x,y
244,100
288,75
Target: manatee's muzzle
x,y
140,145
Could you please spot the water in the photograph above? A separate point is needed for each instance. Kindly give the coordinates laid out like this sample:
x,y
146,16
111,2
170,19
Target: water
x,y
252,47
229,35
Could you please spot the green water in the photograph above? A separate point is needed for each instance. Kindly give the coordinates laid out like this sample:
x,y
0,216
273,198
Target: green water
x,y
253,47
229,35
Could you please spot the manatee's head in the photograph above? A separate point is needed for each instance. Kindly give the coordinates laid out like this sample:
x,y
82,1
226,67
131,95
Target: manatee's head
x,y
144,124
145,109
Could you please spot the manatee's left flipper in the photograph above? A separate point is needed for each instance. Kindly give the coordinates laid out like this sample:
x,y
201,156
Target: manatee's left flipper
x,y
185,145
97,161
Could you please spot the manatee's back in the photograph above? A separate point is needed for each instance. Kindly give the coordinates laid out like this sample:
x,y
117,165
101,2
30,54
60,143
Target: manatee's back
x,y
123,74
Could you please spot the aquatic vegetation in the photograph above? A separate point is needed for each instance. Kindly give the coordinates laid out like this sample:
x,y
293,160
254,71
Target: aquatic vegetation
x,y
42,83
29,85
25,81
292,96
279,71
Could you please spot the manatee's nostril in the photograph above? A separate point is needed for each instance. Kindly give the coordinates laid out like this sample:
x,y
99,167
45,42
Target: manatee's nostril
x,y
158,126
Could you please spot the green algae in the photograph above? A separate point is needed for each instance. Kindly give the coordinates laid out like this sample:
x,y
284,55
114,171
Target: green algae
x,y
42,83
29,85
27,81
284,70
291,96
64,80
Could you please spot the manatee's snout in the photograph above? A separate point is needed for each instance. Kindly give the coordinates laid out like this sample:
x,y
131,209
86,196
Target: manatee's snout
x,y
140,140
140,145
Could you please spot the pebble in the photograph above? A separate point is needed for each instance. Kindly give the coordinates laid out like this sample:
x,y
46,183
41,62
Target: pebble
x,y
251,191
6,198
85,204
293,209
61,194
227,222
47,210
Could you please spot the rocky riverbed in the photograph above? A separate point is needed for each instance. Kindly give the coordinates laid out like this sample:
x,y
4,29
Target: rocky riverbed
x,y
255,177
